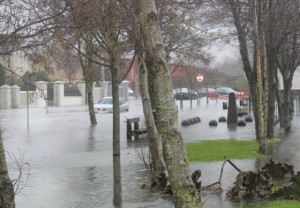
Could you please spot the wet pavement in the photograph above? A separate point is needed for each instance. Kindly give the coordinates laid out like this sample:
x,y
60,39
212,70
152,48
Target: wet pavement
x,y
70,160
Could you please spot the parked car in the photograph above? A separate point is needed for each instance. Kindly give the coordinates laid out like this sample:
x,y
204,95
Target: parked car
x,y
211,92
225,91
184,94
105,105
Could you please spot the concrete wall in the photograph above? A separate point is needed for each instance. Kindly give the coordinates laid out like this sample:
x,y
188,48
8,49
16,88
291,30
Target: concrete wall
x,y
32,99
12,97
72,100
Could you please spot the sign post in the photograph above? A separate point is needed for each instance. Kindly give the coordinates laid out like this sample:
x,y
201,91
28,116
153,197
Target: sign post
x,y
199,78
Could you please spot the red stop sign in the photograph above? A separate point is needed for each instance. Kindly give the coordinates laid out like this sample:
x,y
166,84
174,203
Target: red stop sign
x,y
199,77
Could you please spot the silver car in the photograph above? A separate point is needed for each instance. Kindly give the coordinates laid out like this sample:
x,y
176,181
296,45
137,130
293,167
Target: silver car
x,y
105,105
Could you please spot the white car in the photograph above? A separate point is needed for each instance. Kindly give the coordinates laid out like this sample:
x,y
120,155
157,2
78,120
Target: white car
x,y
105,105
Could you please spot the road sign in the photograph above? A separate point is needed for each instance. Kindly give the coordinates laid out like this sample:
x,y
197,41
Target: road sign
x,y
199,77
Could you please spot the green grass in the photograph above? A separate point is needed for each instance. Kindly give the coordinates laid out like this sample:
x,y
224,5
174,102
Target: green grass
x,y
215,150
270,204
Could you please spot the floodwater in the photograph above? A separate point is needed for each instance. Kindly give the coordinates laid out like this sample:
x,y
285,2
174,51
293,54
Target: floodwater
x,y
71,161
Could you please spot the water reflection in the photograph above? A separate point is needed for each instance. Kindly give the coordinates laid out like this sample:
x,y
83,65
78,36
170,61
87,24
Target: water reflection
x,y
91,139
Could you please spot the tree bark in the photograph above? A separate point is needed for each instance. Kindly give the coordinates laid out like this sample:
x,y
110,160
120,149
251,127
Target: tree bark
x,y
271,103
6,187
117,193
258,46
111,37
153,136
185,194
286,108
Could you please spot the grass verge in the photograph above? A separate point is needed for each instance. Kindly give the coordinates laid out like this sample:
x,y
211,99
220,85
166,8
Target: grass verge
x,y
271,204
215,150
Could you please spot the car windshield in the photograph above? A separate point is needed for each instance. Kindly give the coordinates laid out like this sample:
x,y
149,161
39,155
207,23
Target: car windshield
x,y
109,101
225,89
105,101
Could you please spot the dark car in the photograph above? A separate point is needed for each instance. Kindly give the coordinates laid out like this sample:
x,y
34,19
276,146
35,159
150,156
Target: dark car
x,y
225,91
211,92
184,94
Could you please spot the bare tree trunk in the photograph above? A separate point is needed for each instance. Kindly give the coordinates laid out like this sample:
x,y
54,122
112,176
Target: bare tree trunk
x,y
259,78
111,37
185,194
86,66
117,193
90,101
265,84
279,101
153,136
6,188
287,104
88,73
271,103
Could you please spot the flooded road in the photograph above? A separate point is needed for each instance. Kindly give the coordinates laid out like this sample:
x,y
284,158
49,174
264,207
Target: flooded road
x,y
70,160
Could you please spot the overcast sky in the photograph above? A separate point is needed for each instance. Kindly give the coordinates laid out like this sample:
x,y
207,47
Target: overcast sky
x,y
223,53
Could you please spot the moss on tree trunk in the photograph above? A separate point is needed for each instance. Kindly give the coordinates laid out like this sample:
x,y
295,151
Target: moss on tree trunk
x,y
185,194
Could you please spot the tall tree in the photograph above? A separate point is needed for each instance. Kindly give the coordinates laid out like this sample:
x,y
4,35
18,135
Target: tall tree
x,y
153,135
240,11
287,26
108,44
288,61
88,72
261,75
277,20
184,191
157,162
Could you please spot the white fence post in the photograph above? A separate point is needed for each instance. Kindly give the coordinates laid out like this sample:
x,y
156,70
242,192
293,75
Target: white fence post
x,y
81,88
5,94
15,96
41,90
105,88
58,94
125,85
